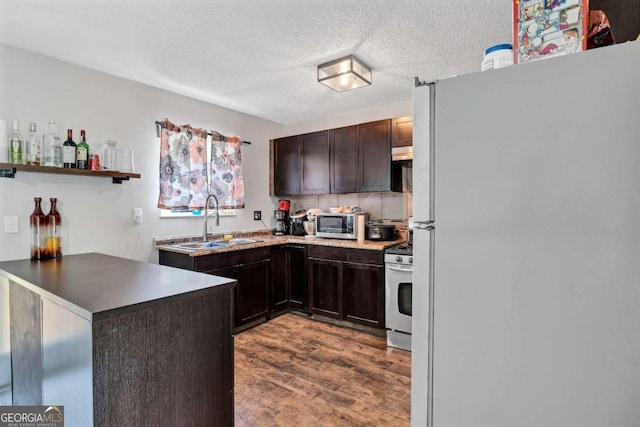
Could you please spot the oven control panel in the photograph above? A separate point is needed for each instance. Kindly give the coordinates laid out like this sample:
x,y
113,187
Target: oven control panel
x,y
398,259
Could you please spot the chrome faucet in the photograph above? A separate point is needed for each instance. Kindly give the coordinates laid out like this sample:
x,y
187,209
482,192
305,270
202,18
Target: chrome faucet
x,y
206,215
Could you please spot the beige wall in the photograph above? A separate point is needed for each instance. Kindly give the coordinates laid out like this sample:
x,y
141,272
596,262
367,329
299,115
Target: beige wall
x,y
97,215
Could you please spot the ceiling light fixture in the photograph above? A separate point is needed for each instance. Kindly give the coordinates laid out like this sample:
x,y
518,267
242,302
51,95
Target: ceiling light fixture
x,y
344,74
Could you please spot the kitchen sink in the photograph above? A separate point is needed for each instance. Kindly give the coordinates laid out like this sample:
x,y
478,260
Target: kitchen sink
x,y
241,241
196,246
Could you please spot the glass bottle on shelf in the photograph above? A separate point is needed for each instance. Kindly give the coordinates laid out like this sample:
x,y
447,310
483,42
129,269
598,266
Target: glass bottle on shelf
x,y
15,144
54,221
38,226
109,155
69,151
32,146
82,152
51,147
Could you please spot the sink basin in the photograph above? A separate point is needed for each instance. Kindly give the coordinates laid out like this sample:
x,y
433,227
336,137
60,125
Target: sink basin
x,y
199,245
196,246
241,241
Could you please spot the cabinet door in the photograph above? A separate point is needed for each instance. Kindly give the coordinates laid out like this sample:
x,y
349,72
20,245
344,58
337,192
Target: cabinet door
x,y
252,291
286,166
363,286
402,132
315,163
343,146
279,298
325,284
374,145
297,266
623,16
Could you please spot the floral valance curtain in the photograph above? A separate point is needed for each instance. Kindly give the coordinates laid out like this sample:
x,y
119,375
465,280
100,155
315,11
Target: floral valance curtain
x,y
183,166
226,170
185,179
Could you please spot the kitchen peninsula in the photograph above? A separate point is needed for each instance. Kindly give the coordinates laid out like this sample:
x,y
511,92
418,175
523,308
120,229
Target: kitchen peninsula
x,y
118,342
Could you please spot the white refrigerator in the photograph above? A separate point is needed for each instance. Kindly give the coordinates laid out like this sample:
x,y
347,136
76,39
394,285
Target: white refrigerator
x,y
526,290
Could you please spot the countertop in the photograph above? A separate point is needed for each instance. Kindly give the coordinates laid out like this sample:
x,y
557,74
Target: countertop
x,y
267,239
93,285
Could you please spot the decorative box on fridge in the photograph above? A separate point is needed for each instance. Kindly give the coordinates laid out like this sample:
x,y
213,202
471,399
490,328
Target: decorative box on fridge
x,y
546,28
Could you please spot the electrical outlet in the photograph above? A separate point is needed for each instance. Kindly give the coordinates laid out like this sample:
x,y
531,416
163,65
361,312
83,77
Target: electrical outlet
x,y
257,215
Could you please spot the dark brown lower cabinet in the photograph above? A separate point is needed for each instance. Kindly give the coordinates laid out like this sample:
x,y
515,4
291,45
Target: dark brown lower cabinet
x,y
251,295
326,287
250,267
297,263
363,288
347,284
344,284
279,295
288,278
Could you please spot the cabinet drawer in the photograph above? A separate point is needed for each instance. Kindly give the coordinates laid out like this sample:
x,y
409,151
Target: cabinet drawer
x,y
348,255
227,259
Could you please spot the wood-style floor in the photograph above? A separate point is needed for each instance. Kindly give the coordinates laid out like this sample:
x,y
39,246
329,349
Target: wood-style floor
x,y
293,371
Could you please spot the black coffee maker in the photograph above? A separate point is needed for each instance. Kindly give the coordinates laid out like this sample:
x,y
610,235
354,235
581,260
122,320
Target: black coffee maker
x,y
282,222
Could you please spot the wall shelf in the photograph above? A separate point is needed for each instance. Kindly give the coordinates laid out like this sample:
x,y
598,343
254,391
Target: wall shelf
x,y
8,170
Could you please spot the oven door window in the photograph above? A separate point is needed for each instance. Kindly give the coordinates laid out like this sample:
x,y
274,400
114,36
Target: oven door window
x,y
404,298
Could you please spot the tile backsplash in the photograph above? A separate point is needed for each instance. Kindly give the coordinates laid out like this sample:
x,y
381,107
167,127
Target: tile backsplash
x,y
377,205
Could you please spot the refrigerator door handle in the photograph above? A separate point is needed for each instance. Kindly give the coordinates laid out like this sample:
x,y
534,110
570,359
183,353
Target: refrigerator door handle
x,y
424,225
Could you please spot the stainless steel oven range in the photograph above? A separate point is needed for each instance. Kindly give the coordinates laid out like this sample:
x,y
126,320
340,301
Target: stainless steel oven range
x,y
398,261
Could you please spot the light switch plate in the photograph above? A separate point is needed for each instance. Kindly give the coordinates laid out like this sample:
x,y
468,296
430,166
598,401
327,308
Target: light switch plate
x,y
137,215
11,224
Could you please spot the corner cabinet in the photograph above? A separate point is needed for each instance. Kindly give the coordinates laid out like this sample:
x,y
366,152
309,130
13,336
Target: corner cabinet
x,y
288,279
9,170
347,284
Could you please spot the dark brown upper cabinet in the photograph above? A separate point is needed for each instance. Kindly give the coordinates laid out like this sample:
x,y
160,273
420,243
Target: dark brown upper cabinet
x,y
301,164
286,165
402,132
343,147
345,160
314,158
376,172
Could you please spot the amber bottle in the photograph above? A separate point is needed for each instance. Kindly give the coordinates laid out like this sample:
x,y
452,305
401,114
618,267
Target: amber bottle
x,y
38,226
53,239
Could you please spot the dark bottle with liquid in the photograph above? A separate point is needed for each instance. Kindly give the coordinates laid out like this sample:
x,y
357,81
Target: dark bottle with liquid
x,y
38,226
82,152
69,151
54,221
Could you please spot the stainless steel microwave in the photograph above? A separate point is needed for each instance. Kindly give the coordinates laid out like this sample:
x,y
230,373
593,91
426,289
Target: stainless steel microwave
x,y
337,225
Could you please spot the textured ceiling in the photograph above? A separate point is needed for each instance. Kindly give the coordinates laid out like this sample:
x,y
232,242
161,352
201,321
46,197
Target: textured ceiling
x,y
260,56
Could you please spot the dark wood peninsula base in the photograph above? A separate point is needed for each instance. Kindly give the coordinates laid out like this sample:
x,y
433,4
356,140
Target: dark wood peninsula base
x,y
118,342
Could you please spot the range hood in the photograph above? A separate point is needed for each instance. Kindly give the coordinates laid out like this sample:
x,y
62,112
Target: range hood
x,y
400,154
